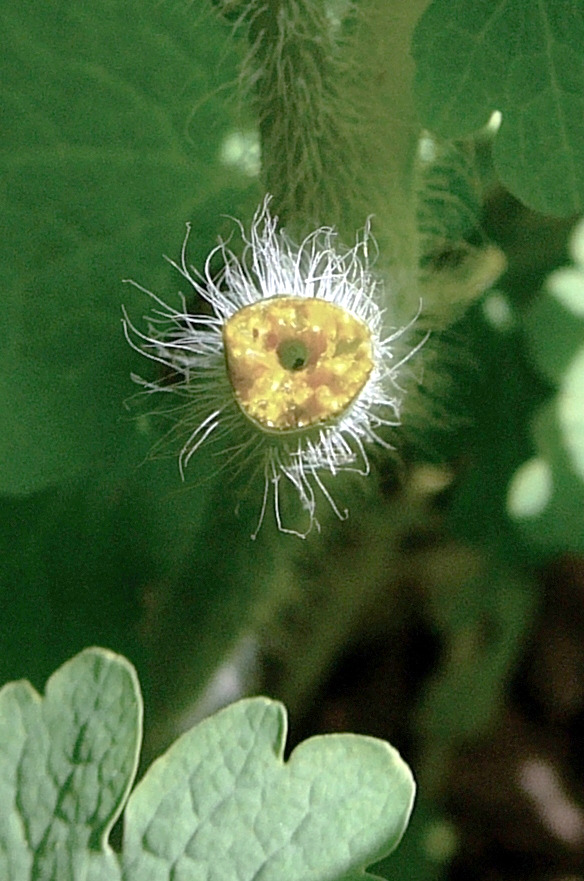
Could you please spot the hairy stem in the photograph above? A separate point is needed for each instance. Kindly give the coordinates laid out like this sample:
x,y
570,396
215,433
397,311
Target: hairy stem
x,y
337,124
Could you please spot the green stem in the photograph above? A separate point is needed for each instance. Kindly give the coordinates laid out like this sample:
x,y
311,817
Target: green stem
x,y
337,124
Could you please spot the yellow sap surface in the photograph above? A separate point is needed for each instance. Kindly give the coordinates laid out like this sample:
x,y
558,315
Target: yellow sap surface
x,y
296,362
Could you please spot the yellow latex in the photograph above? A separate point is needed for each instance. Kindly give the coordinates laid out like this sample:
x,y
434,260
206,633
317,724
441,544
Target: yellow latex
x,y
296,362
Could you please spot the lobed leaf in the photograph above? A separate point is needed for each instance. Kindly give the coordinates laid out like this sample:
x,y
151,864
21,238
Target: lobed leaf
x,y
66,765
220,803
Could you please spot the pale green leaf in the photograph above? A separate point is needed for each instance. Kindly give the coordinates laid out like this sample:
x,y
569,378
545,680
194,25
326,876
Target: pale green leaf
x,y
66,765
546,493
558,525
530,489
221,803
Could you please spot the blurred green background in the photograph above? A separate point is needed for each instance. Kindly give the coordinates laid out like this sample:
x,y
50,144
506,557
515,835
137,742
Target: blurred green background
x,y
415,619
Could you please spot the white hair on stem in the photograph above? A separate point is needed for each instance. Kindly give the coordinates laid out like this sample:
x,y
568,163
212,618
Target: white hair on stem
x,y
296,367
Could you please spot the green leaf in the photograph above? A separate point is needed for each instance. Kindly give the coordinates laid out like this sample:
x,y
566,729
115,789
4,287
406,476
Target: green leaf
x,y
570,412
221,803
546,494
553,334
523,59
109,148
66,765
554,323
556,524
